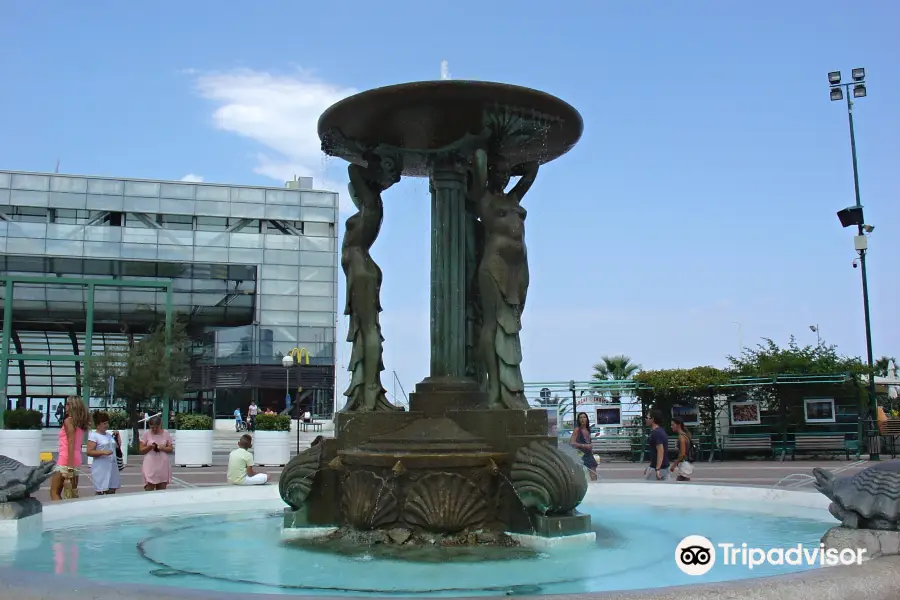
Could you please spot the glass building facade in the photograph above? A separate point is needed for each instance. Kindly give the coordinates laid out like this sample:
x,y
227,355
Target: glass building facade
x,y
254,272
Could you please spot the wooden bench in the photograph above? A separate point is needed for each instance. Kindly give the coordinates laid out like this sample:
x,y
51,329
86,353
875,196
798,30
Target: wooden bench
x,y
827,443
744,442
314,426
611,444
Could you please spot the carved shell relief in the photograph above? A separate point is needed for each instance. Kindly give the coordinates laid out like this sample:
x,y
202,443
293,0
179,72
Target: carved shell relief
x,y
546,479
445,503
298,476
368,502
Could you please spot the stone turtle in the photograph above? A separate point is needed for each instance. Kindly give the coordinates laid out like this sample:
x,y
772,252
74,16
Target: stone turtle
x,y
869,499
18,481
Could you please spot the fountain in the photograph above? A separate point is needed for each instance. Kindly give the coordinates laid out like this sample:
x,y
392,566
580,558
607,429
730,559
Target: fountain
x,y
469,455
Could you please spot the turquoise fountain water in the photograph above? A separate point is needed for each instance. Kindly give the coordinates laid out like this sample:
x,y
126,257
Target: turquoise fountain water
x,y
242,552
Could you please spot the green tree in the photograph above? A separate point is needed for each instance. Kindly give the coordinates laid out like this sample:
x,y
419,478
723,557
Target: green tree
x,y
768,359
615,368
881,365
147,369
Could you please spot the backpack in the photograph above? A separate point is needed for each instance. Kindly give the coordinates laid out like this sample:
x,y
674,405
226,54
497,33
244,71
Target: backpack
x,y
693,450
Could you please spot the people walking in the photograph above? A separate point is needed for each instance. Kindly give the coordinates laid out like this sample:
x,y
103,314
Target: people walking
x,y
64,481
658,449
581,440
240,465
683,465
156,446
101,446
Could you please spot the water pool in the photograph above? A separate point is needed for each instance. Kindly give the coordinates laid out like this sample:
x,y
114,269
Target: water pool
x,y
242,552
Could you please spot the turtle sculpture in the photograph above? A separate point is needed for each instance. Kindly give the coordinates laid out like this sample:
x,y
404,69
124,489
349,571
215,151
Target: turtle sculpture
x,y
869,499
18,481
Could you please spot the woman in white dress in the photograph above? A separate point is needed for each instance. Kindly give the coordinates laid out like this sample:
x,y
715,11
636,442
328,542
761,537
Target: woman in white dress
x,y
101,447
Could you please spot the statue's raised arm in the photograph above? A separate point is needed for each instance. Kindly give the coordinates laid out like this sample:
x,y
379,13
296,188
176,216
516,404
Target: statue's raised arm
x,y
528,172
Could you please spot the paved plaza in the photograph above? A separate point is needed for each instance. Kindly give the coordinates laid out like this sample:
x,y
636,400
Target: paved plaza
x,y
788,474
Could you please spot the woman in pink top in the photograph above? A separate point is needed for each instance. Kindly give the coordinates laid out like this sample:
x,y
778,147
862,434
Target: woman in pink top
x,y
71,439
156,445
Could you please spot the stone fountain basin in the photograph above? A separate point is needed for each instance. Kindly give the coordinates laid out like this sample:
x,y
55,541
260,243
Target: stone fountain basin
x,y
874,580
429,115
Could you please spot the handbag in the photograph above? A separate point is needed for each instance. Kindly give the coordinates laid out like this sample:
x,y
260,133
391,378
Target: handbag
x,y
120,459
70,490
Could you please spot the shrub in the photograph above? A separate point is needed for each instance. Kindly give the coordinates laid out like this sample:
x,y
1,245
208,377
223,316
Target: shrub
x,y
272,423
118,419
23,418
190,421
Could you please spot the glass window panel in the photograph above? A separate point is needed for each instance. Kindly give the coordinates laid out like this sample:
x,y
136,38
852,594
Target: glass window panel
x,y
282,272
168,252
212,192
23,198
142,188
316,288
139,236
316,273
316,303
212,223
102,249
317,259
278,317
176,207
316,214
282,212
4,197
30,182
100,233
248,194
29,230
24,245
246,240
277,288
282,242
245,256
317,244
289,303
176,237
106,186
326,199
248,211
68,184
139,251
101,202
318,229
177,190
141,204
319,319
283,197
65,232
66,200
65,247
180,222
212,209
4,180
282,257
210,254
211,238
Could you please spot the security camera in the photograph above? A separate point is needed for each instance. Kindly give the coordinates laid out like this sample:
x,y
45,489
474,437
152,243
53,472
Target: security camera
x,y
855,263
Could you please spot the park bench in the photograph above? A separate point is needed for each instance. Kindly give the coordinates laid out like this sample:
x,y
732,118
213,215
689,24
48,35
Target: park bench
x,y
611,444
747,442
824,443
314,426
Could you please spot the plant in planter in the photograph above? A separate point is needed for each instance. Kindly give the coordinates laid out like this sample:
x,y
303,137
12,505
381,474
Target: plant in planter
x,y
272,440
193,440
20,437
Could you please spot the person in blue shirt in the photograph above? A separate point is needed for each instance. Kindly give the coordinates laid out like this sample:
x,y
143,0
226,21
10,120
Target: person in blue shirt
x,y
658,448
237,419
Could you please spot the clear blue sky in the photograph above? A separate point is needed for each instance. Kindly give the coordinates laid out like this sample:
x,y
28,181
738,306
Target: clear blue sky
x,y
703,192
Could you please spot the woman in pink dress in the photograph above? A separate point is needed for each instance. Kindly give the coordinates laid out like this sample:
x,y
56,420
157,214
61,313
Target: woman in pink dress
x,y
156,445
64,481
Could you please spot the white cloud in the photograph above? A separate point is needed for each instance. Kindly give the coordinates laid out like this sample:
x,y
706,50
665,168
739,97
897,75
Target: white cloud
x,y
193,178
280,112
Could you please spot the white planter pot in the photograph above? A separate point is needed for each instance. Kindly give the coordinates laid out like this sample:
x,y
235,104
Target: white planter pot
x,y
193,448
22,445
271,448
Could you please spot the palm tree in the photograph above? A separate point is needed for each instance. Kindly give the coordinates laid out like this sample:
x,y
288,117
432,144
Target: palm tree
x,y
615,368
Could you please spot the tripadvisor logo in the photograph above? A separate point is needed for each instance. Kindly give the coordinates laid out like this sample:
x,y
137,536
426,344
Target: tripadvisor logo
x,y
695,555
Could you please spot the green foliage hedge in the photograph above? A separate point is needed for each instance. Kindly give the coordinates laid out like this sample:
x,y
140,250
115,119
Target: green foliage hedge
x,y
23,418
272,423
193,422
669,380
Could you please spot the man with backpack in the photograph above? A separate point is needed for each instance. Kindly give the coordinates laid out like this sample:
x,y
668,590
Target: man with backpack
x,y
687,451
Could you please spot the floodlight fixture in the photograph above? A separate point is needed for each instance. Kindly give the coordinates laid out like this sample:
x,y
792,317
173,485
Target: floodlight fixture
x,y
287,362
859,91
868,228
851,216
834,77
813,328
858,74
837,94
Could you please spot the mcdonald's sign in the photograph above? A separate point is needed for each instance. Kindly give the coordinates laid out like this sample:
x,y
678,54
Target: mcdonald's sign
x,y
298,354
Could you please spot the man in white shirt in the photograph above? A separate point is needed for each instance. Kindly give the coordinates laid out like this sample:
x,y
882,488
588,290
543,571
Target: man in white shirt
x,y
240,465
251,415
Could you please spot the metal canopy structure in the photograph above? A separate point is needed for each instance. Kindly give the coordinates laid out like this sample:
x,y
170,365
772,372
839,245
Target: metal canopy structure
x,y
89,287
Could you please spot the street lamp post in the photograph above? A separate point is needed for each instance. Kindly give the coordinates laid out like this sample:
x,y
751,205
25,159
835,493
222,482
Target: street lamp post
x,y
854,216
815,330
287,362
